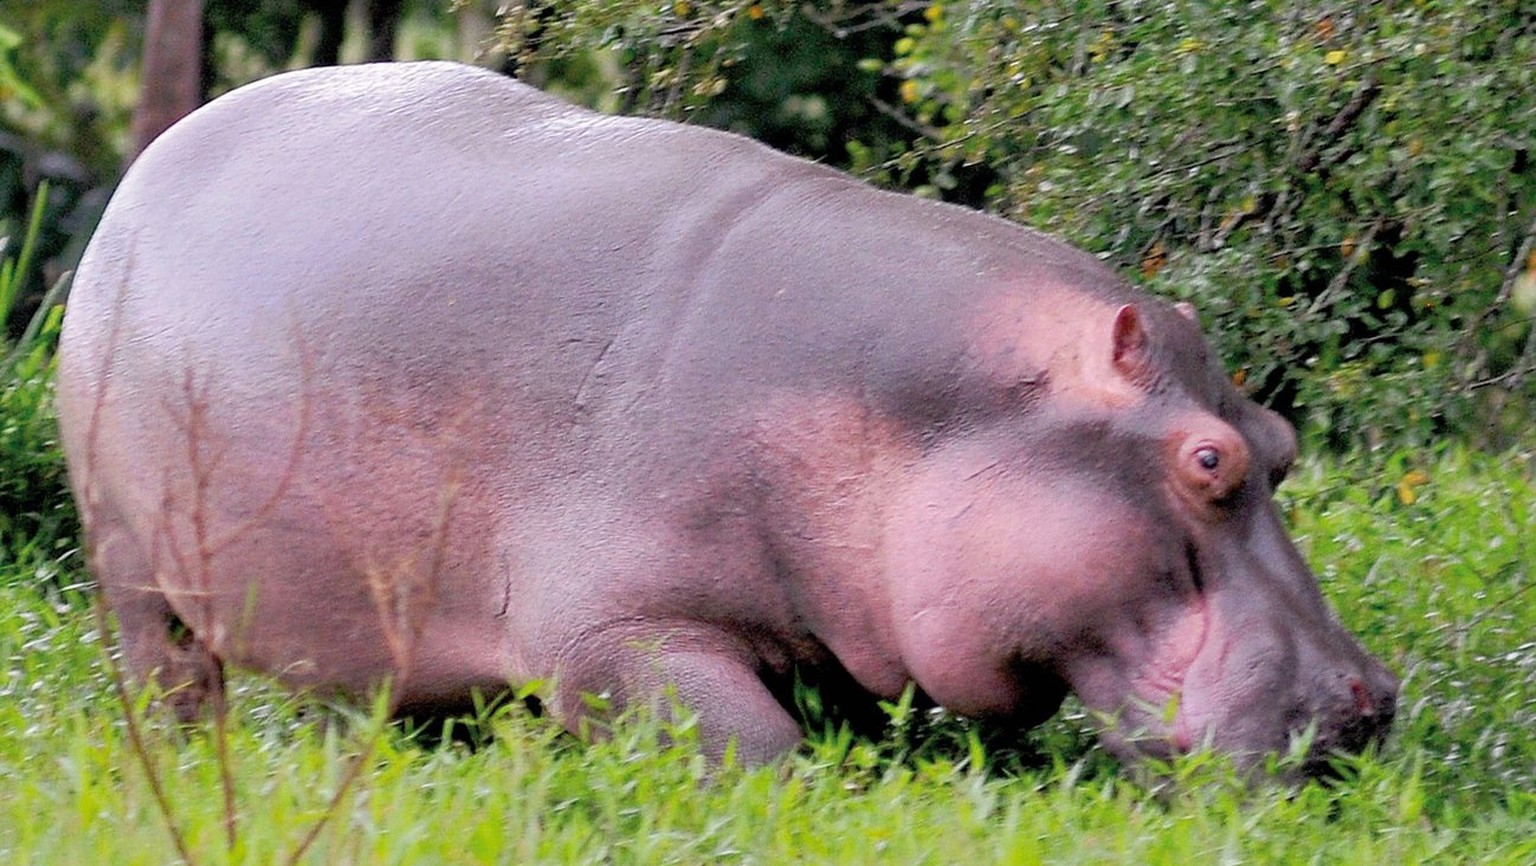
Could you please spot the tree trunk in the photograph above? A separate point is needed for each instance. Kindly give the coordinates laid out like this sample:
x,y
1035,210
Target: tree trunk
x,y
171,83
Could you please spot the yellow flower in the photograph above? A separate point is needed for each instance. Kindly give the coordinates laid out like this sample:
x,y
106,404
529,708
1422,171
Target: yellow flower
x,y
1407,486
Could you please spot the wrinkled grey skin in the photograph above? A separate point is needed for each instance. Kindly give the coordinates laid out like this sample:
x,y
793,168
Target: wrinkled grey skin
x,y
410,369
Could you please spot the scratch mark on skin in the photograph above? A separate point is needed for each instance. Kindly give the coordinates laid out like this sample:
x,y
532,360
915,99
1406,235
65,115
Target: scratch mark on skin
x,y
983,470
506,589
580,400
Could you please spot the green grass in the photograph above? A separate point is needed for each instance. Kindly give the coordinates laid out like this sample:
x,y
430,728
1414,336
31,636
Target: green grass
x,y
1441,587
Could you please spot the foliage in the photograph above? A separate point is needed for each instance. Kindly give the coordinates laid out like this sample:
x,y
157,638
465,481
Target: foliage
x,y
1438,576
70,83
784,76
1347,196
1438,582
37,522
67,86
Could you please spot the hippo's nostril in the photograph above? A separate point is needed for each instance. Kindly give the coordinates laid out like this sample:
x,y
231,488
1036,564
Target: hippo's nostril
x,y
1365,705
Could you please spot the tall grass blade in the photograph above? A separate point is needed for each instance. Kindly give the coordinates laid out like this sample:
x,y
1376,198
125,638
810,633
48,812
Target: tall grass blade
x,y
15,270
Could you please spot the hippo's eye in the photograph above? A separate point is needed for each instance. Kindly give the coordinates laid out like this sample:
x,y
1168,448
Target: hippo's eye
x,y
1208,458
1212,463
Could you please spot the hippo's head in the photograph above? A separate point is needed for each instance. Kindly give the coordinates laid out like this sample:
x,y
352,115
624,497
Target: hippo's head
x,y
1115,535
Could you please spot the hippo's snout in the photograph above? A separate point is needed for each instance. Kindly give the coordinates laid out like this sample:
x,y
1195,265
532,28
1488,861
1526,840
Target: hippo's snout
x,y
1273,609
1358,707
1249,662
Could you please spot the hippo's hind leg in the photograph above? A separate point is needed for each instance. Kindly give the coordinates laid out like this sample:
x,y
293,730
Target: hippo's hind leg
x,y
158,647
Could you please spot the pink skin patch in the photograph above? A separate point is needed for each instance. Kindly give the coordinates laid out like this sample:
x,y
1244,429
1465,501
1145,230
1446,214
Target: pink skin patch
x,y
1018,335
1163,679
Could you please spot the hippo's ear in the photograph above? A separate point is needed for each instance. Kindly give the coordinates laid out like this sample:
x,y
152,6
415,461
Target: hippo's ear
x,y
1129,338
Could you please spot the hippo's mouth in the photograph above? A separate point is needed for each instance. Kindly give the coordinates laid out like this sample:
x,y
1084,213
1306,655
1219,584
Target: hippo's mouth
x,y
1182,737
1159,710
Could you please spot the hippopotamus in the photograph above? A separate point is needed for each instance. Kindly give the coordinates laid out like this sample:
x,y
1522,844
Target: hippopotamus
x,y
413,375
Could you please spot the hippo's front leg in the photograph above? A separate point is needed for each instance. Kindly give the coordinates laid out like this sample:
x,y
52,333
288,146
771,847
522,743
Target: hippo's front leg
x,y
694,666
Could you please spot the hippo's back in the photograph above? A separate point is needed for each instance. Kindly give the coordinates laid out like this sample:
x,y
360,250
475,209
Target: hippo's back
x,y
373,229
349,200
